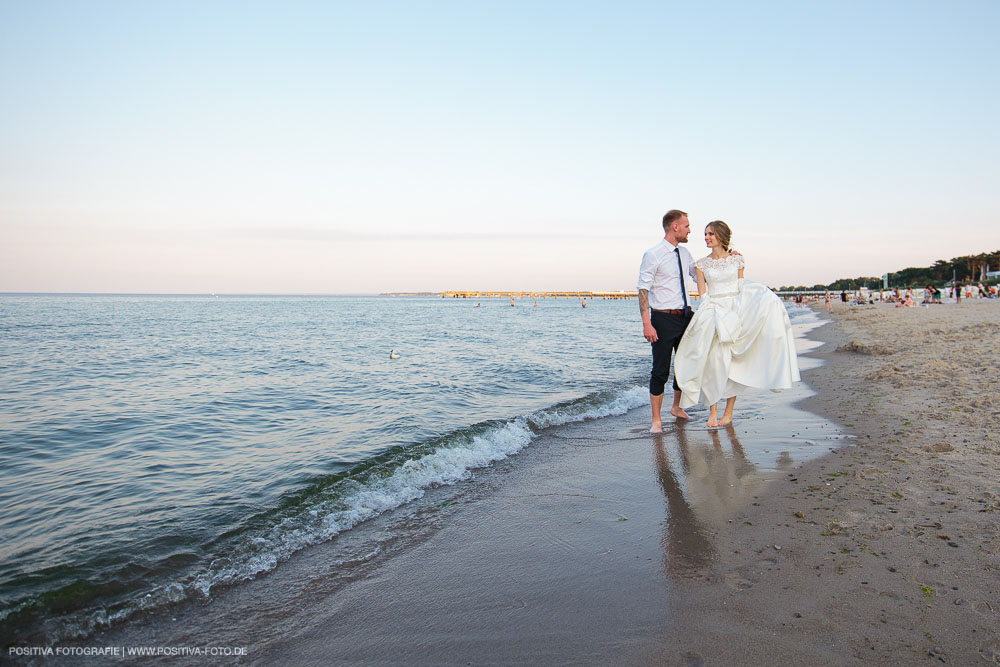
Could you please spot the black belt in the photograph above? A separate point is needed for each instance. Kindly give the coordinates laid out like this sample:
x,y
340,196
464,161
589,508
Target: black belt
x,y
675,311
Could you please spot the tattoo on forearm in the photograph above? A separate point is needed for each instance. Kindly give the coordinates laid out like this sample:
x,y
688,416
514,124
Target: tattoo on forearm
x,y
643,301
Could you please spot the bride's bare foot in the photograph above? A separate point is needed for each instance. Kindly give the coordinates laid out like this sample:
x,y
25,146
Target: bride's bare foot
x,y
725,421
713,423
680,414
657,427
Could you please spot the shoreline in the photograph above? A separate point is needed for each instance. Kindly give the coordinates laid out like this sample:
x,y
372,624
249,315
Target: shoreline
x,y
602,543
576,469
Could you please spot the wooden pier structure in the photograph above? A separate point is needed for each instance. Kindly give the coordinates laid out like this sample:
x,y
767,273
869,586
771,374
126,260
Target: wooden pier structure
x,y
520,294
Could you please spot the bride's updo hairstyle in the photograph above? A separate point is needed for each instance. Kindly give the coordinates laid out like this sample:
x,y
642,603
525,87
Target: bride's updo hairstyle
x,y
721,231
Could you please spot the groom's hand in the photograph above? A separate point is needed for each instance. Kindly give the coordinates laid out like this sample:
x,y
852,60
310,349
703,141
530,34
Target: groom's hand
x,y
734,252
649,332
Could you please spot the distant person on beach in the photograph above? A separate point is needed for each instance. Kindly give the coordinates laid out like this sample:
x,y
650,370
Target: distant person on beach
x,y
843,295
957,292
829,302
739,338
666,274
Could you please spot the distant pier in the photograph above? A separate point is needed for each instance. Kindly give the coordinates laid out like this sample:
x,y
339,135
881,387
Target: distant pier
x,y
526,294
518,294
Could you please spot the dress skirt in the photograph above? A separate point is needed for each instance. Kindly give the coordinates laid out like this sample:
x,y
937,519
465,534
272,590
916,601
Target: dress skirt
x,y
736,341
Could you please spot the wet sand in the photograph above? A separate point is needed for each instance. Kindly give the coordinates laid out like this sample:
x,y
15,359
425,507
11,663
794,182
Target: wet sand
x,y
571,561
766,543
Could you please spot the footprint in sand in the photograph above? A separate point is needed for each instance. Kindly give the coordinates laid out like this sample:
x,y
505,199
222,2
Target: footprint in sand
x,y
738,582
983,608
766,563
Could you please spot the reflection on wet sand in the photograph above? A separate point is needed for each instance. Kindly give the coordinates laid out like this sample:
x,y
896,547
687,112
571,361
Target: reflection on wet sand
x,y
686,546
717,484
702,486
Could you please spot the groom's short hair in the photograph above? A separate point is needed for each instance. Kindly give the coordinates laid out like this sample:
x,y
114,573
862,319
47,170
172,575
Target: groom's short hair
x,y
672,216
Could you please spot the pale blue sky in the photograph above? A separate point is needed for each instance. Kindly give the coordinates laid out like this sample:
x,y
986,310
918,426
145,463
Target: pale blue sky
x,y
366,147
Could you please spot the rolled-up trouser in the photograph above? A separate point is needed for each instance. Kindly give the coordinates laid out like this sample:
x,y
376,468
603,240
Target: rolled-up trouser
x,y
669,330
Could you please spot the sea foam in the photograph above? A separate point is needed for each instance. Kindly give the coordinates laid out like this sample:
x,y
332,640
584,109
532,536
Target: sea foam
x,y
451,462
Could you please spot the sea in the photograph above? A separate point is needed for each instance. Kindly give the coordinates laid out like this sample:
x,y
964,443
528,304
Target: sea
x,y
156,449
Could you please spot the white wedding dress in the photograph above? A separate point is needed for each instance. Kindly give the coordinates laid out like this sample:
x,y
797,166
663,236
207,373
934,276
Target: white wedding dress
x,y
739,338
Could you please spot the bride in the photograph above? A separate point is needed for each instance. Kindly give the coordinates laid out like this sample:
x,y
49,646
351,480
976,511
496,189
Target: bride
x,y
739,337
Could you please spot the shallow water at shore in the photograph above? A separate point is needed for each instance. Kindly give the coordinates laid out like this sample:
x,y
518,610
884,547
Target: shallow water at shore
x,y
573,546
157,448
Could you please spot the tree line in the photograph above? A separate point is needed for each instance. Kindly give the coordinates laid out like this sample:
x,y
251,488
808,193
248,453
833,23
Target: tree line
x,y
964,269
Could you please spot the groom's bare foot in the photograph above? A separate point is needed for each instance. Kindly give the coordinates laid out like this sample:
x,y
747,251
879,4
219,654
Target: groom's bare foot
x,y
714,423
680,414
725,421
657,427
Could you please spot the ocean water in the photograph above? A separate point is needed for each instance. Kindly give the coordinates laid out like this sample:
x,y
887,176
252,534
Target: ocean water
x,y
156,448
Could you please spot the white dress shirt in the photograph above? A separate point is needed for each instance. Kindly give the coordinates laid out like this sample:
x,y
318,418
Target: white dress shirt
x,y
658,274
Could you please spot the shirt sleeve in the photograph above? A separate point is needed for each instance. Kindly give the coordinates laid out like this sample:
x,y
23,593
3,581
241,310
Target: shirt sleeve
x,y
692,269
647,269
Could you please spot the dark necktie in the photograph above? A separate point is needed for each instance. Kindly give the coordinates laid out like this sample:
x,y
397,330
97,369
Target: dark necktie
x,y
680,272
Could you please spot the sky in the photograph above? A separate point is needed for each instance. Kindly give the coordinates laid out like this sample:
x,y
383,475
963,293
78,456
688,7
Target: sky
x,y
366,147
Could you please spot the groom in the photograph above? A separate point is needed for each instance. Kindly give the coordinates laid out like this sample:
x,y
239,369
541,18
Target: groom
x,y
666,275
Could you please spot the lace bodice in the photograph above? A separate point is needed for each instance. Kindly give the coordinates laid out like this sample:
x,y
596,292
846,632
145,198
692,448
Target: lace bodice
x,y
721,275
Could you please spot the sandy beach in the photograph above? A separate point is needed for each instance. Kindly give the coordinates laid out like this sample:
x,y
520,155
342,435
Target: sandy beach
x,y
856,524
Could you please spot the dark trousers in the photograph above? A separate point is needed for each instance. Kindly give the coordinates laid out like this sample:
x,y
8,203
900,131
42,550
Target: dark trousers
x,y
669,329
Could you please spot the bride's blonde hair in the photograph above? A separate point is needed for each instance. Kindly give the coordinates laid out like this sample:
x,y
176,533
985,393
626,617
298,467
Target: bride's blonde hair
x,y
721,231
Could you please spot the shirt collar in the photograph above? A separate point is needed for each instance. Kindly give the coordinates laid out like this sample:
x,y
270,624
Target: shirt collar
x,y
671,245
